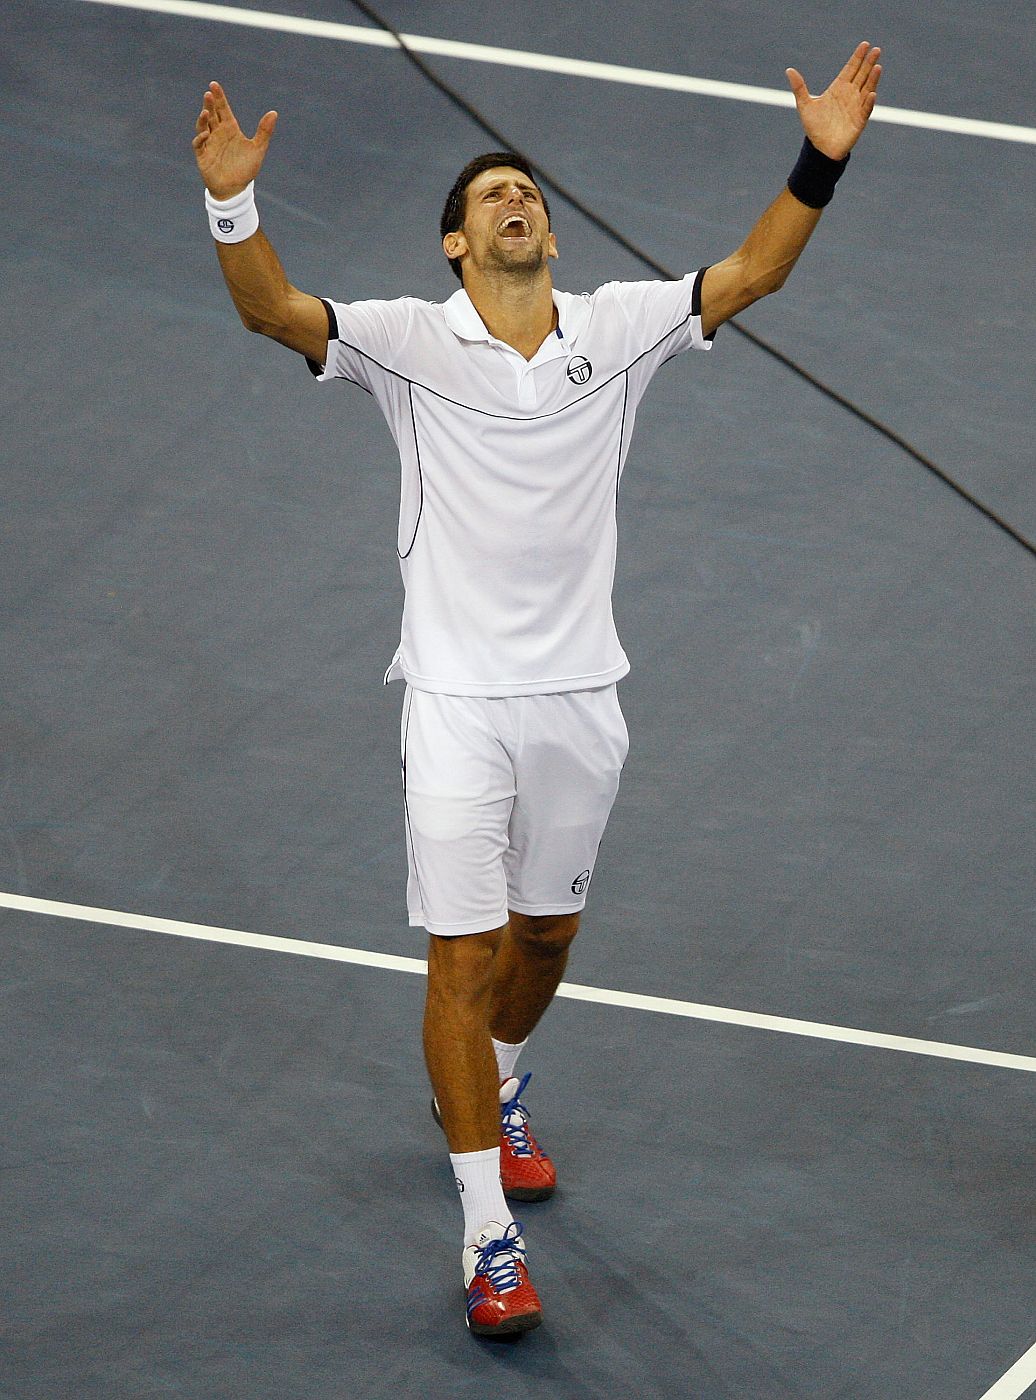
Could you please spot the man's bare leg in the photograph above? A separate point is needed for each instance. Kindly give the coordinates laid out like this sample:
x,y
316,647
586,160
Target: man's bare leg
x,y
496,983
457,1045
501,1301
529,963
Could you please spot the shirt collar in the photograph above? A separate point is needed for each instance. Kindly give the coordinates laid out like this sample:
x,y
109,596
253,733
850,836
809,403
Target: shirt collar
x,y
465,322
462,318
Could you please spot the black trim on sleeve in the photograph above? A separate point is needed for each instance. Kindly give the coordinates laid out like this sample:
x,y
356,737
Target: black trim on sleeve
x,y
696,291
332,334
332,321
696,299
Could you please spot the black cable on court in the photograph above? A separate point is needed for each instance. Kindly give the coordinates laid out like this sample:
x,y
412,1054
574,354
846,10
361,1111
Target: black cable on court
x,y
610,231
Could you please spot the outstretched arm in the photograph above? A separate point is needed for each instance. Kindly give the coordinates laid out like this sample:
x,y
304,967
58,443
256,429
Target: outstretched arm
x,y
266,301
833,123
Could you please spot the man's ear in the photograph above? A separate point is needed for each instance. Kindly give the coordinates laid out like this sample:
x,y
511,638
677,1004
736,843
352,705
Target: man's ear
x,y
552,246
455,245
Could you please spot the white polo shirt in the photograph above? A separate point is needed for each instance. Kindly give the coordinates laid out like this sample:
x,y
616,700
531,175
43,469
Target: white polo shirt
x,y
510,472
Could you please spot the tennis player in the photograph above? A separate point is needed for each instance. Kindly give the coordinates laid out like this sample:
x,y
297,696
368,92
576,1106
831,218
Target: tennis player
x,y
512,406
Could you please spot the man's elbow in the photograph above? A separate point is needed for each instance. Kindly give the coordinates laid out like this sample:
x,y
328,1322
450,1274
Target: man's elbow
x,y
263,315
256,322
259,324
768,281
772,279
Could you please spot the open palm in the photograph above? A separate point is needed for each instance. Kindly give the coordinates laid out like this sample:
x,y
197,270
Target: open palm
x,y
227,158
834,120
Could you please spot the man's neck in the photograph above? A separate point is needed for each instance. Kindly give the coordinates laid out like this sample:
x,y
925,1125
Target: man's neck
x,y
518,311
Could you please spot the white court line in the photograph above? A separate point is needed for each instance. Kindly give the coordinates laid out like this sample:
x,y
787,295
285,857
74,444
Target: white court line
x,y
573,991
1017,1381
551,63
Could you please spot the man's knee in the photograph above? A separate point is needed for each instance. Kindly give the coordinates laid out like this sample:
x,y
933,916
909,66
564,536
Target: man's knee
x,y
461,968
543,933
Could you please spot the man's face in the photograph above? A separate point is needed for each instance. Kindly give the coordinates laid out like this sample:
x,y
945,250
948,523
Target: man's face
x,y
505,224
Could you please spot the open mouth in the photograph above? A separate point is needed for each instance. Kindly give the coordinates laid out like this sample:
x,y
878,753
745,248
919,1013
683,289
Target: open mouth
x,y
515,226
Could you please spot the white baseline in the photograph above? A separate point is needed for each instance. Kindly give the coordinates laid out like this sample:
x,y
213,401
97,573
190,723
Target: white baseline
x,y
1017,1380
603,996
551,63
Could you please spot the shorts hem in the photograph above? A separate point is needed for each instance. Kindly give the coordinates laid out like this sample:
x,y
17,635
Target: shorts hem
x,y
534,910
460,927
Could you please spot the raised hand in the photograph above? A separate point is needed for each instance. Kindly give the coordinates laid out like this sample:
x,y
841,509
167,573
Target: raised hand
x,y
834,120
227,158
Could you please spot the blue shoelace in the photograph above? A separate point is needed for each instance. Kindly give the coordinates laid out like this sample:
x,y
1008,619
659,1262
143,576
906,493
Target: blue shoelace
x,y
498,1264
517,1134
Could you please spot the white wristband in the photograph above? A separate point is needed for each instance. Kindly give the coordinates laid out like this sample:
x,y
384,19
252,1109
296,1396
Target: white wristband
x,y
235,219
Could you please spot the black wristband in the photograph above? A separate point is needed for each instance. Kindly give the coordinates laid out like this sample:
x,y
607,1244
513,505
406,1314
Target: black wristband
x,y
813,180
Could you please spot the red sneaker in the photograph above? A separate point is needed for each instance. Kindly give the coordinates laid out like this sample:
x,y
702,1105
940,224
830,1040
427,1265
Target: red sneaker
x,y
501,1300
526,1172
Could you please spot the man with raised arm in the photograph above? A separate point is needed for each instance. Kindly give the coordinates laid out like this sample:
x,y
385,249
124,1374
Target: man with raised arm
x,y
512,406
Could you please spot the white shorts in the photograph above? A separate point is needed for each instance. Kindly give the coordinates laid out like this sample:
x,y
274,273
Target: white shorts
x,y
506,800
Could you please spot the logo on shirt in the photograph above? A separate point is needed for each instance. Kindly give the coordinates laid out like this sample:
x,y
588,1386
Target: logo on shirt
x,y
579,369
580,883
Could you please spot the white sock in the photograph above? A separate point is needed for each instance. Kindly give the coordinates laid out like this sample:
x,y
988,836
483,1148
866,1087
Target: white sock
x,y
477,1175
507,1056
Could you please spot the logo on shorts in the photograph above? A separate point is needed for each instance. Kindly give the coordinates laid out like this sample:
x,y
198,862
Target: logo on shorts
x,y
580,883
225,225
579,369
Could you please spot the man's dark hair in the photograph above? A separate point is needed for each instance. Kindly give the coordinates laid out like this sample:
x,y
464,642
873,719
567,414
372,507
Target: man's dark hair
x,y
453,210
